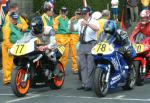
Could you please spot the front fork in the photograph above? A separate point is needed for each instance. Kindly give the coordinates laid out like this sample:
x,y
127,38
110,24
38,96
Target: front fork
x,y
108,74
27,75
143,69
143,63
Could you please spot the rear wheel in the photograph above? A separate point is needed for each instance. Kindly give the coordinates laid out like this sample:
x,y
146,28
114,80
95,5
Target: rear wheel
x,y
139,78
131,80
18,85
100,86
58,80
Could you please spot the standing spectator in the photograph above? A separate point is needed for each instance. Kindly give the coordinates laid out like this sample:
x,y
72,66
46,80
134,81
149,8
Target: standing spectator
x,y
97,15
22,24
87,29
114,7
133,6
62,33
0,21
145,4
47,17
0,15
74,38
102,21
10,34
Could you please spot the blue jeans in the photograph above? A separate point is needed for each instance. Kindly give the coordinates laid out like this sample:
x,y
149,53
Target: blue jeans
x,y
114,11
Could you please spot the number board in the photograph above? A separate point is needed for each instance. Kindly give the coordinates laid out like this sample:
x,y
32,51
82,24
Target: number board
x,y
102,48
19,49
61,49
139,47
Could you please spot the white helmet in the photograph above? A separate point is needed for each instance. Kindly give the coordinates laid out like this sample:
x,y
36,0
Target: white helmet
x,y
47,5
97,15
145,13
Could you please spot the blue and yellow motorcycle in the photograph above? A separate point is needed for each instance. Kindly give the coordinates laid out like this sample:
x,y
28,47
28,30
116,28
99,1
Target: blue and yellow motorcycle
x,y
112,70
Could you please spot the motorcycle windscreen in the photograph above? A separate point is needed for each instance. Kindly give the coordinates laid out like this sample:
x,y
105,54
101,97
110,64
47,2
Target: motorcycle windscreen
x,y
139,37
104,45
24,46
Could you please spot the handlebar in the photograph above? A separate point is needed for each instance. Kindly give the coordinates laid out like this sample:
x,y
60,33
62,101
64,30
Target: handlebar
x,y
146,41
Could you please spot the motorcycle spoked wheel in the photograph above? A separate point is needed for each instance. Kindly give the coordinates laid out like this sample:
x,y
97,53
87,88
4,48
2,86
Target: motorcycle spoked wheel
x,y
139,79
100,86
57,82
20,88
131,80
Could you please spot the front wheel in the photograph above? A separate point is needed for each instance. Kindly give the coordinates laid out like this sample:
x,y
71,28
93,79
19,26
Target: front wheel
x,y
139,78
57,81
19,85
100,86
131,80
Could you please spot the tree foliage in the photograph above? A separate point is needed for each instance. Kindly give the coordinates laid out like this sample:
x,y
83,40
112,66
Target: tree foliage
x,y
72,5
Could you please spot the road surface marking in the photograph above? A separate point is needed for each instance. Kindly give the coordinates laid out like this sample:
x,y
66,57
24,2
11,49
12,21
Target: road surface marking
x,y
6,94
120,96
24,98
29,94
107,98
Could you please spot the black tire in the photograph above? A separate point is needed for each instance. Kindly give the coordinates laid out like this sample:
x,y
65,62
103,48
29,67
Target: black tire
x,y
56,83
131,80
139,78
19,88
100,86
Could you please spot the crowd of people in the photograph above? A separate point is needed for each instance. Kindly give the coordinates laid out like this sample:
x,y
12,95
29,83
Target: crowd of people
x,y
132,7
83,28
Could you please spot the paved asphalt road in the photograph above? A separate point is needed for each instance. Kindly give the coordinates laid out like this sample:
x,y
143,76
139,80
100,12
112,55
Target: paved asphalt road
x,y
69,94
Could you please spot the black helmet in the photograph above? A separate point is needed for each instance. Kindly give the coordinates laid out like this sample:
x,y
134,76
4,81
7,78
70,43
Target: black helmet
x,y
86,10
78,11
37,25
64,9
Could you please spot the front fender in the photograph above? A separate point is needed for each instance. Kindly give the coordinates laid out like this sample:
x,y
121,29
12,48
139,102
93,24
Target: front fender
x,y
19,61
103,67
142,60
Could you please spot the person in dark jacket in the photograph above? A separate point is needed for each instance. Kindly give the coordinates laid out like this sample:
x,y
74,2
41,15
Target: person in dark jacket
x,y
133,6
